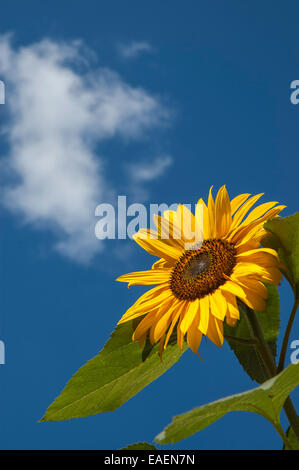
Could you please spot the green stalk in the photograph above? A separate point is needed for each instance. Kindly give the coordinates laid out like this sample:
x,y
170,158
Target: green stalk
x,y
283,436
262,345
287,336
267,357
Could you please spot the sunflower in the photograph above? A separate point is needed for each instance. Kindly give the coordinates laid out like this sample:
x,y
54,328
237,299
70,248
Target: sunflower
x,y
197,284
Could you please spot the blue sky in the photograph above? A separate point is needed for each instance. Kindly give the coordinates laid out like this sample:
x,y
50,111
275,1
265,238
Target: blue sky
x,y
97,94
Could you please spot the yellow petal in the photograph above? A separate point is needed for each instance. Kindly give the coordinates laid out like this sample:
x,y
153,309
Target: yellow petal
x,y
165,320
163,263
231,321
180,335
232,306
273,276
202,219
254,285
169,231
161,346
262,256
157,276
215,331
144,325
190,313
212,215
243,210
252,244
147,304
187,223
218,305
175,316
158,248
258,212
249,297
223,212
194,337
151,294
204,314
237,201
142,340
249,231
244,269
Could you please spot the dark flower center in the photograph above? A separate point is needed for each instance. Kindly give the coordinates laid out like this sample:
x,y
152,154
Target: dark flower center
x,y
200,272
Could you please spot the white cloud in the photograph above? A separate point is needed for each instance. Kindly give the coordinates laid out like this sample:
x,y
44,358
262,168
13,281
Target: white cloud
x,y
59,112
149,170
142,172
134,49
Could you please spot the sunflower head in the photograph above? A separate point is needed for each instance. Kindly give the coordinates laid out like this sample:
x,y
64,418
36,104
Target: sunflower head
x,y
206,261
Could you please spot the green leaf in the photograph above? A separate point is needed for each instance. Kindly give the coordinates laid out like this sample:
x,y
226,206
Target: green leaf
x,y
140,446
248,354
111,378
283,236
266,400
294,444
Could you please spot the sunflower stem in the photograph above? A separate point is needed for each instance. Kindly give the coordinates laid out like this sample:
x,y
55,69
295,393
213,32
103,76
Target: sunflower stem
x,y
283,436
292,416
287,336
269,362
262,345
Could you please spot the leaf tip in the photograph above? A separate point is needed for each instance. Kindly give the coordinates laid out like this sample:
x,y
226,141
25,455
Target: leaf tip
x,y
160,437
